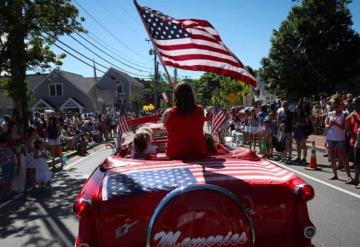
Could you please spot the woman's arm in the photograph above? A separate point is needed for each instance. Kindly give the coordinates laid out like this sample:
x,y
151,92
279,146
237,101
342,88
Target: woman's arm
x,y
165,116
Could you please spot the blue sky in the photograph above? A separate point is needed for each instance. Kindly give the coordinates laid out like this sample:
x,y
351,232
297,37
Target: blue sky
x,y
244,25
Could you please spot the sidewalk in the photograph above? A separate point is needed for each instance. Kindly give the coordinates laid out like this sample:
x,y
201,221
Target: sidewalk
x,y
67,155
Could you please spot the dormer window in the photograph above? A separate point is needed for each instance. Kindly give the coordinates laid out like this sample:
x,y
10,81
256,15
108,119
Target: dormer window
x,y
55,89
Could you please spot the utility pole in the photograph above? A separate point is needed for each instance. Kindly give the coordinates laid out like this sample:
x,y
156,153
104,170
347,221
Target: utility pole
x,y
175,75
95,94
156,75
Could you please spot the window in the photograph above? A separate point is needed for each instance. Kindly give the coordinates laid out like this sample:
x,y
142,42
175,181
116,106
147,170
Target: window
x,y
56,89
120,87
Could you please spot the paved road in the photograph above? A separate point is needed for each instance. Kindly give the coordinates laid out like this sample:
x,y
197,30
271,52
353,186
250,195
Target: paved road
x,y
44,218
335,209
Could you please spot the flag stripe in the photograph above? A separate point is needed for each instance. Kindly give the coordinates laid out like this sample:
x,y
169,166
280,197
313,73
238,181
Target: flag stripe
x,y
217,121
230,73
195,53
198,57
204,43
123,124
257,178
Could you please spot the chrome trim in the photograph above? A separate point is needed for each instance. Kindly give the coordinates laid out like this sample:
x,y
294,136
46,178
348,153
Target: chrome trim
x,y
298,187
179,191
104,188
85,200
312,228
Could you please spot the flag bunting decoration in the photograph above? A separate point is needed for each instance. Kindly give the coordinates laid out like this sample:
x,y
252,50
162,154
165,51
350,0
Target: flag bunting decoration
x,y
217,120
192,44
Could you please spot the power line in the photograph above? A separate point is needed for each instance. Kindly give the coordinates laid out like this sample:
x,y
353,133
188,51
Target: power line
x,y
107,30
81,54
107,61
71,54
107,46
105,52
74,56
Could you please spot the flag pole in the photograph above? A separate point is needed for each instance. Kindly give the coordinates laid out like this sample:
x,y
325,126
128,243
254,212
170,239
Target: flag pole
x,y
153,43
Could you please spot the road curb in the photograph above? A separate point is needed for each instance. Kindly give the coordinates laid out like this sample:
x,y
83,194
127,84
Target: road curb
x,y
70,154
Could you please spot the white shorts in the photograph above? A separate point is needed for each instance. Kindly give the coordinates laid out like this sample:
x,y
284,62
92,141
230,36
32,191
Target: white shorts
x,y
253,130
54,142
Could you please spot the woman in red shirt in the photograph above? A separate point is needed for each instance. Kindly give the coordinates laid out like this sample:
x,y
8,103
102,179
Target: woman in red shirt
x,y
184,123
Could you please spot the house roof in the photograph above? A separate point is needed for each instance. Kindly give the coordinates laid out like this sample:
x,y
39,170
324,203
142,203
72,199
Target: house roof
x,y
45,101
35,79
70,102
82,83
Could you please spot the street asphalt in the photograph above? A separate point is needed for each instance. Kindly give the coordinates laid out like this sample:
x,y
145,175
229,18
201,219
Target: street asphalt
x,y
44,217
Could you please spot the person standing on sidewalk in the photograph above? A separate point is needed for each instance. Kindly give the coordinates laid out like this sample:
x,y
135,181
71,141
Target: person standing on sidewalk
x,y
300,121
53,135
284,116
353,127
335,137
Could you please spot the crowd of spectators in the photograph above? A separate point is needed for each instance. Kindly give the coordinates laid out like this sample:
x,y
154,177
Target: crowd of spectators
x,y
280,125
27,155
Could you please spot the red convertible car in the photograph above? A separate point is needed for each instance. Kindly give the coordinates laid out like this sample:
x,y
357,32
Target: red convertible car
x,y
233,198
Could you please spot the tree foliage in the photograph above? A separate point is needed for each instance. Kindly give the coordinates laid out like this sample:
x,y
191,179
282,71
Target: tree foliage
x,y
214,89
314,50
157,88
27,31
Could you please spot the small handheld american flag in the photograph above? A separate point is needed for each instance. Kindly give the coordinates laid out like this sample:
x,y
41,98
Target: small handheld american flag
x,y
123,124
217,120
165,97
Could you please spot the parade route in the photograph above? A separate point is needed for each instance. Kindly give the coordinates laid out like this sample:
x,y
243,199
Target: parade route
x,y
51,221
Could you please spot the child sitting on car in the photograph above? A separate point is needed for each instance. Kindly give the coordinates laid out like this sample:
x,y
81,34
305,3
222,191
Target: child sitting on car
x,y
140,145
150,148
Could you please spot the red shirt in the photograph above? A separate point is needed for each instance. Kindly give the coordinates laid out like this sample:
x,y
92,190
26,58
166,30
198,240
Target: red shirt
x,y
185,134
354,125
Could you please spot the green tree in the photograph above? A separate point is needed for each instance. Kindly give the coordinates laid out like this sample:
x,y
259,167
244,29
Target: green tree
x,y
136,103
207,85
213,89
314,50
27,31
158,88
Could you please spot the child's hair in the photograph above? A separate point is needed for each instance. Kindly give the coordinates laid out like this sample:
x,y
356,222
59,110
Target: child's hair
x,y
140,142
210,143
147,132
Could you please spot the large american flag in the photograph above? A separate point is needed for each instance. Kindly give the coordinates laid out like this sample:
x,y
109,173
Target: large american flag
x,y
140,176
192,44
217,120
